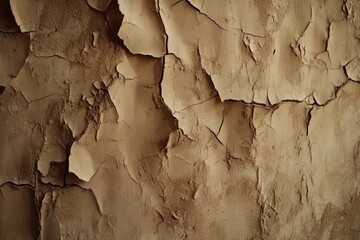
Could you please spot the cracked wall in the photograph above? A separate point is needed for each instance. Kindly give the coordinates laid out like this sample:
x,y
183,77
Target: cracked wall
x,y
179,119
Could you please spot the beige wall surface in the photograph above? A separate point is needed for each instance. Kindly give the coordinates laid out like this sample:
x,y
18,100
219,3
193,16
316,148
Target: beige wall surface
x,y
179,119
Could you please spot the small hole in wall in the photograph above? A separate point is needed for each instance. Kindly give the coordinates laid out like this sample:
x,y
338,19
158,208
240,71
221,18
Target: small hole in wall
x,y
2,89
274,51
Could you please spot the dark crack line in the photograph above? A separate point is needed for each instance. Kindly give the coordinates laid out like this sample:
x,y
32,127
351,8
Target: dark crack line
x,y
39,99
27,185
212,132
221,124
247,33
163,26
160,93
308,119
205,15
192,105
58,56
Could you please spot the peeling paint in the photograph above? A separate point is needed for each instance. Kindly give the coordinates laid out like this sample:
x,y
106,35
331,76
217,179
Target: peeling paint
x,y
190,119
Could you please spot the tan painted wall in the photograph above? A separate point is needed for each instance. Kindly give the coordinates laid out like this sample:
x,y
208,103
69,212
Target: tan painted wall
x,y
190,119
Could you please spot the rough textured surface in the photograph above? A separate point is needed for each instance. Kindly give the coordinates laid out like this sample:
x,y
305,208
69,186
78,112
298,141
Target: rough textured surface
x,y
190,119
